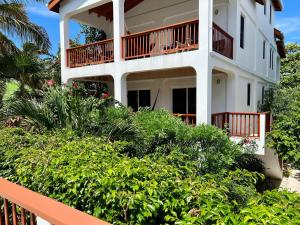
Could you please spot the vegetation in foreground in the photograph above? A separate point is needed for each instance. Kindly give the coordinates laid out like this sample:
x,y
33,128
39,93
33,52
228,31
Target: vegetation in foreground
x,y
284,103
134,168
94,175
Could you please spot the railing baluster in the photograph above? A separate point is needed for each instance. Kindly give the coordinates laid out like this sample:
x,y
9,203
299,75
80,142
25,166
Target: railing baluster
x,y
6,213
23,216
14,214
32,219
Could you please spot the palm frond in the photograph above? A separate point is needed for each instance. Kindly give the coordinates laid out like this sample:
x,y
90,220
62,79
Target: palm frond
x,y
15,22
32,111
7,46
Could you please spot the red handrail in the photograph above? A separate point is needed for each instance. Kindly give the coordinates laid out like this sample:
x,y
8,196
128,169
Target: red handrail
x,y
90,54
238,124
164,40
26,202
189,119
222,41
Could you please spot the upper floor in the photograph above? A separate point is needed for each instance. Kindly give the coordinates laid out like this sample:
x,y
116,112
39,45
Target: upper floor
x,y
240,32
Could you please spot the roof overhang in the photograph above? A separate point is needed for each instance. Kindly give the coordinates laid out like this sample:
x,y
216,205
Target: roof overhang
x,y
53,5
278,5
105,10
279,39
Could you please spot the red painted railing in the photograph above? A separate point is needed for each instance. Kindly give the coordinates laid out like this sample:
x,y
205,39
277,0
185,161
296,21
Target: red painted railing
x,y
238,124
222,42
161,41
95,53
189,119
22,206
165,40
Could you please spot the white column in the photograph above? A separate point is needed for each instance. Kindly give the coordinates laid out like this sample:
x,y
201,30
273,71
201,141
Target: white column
x,y
233,24
64,44
119,28
120,86
204,71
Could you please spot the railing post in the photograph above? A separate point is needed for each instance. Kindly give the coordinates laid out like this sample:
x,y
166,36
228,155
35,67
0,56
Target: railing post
x,y
262,126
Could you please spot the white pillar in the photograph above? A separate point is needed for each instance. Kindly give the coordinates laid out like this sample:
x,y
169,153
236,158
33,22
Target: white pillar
x,y
120,86
233,24
64,44
204,71
119,28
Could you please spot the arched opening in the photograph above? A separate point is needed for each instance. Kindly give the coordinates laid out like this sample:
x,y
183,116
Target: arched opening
x,y
171,89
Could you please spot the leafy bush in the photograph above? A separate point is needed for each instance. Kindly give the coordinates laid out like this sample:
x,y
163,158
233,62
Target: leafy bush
x,y
92,175
209,146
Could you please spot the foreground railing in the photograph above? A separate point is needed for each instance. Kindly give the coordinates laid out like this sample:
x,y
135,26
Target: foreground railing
x,y
95,53
238,124
22,206
222,42
189,119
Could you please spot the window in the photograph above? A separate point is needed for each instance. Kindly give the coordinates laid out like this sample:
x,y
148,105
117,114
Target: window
x,y
264,49
270,63
184,100
242,32
248,94
271,13
271,58
137,99
263,95
265,9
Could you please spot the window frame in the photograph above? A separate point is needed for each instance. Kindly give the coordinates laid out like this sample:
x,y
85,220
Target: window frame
x,y
264,49
270,16
242,31
248,94
138,97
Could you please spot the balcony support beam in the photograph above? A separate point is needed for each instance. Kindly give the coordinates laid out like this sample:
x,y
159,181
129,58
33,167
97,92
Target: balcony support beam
x,y
64,43
119,28
204,70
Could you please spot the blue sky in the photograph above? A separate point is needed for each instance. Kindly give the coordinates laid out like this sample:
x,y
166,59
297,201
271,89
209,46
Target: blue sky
x,y
287,21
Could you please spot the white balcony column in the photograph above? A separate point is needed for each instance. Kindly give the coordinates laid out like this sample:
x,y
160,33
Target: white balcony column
x,y
64,43
233,24
120,87
119,28
204,70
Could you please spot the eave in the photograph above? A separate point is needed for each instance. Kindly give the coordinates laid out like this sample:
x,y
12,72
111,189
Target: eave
x,y
279,39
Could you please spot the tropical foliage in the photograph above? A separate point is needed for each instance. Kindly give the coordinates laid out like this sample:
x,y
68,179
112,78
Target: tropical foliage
x,y
92,175
14,22
284,102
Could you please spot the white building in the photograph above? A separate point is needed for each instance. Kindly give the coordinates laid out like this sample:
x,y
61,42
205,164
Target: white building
x,y
208,61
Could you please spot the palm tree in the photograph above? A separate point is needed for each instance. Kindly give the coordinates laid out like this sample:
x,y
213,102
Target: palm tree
x,y
14,22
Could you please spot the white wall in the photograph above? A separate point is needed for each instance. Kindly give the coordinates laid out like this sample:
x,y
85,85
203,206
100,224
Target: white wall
x,y
219,94
164,86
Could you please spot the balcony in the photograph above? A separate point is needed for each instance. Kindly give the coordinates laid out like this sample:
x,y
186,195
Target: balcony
x,y
171,39
237,124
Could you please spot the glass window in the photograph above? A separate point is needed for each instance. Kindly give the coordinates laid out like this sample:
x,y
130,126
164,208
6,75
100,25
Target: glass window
x,y
137,99
264,49
184,101
248,94
242,32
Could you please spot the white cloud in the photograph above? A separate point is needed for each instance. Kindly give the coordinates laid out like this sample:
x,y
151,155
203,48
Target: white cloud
x,y
41,11
289,25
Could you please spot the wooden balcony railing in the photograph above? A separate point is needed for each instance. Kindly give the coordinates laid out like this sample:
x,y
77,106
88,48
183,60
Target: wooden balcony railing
x,y
22,206
238,124
161,41
222,42
165,40
189,119
95,53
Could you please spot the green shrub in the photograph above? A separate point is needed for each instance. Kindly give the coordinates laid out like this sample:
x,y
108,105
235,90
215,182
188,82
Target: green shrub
x,y
92,175
205,145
